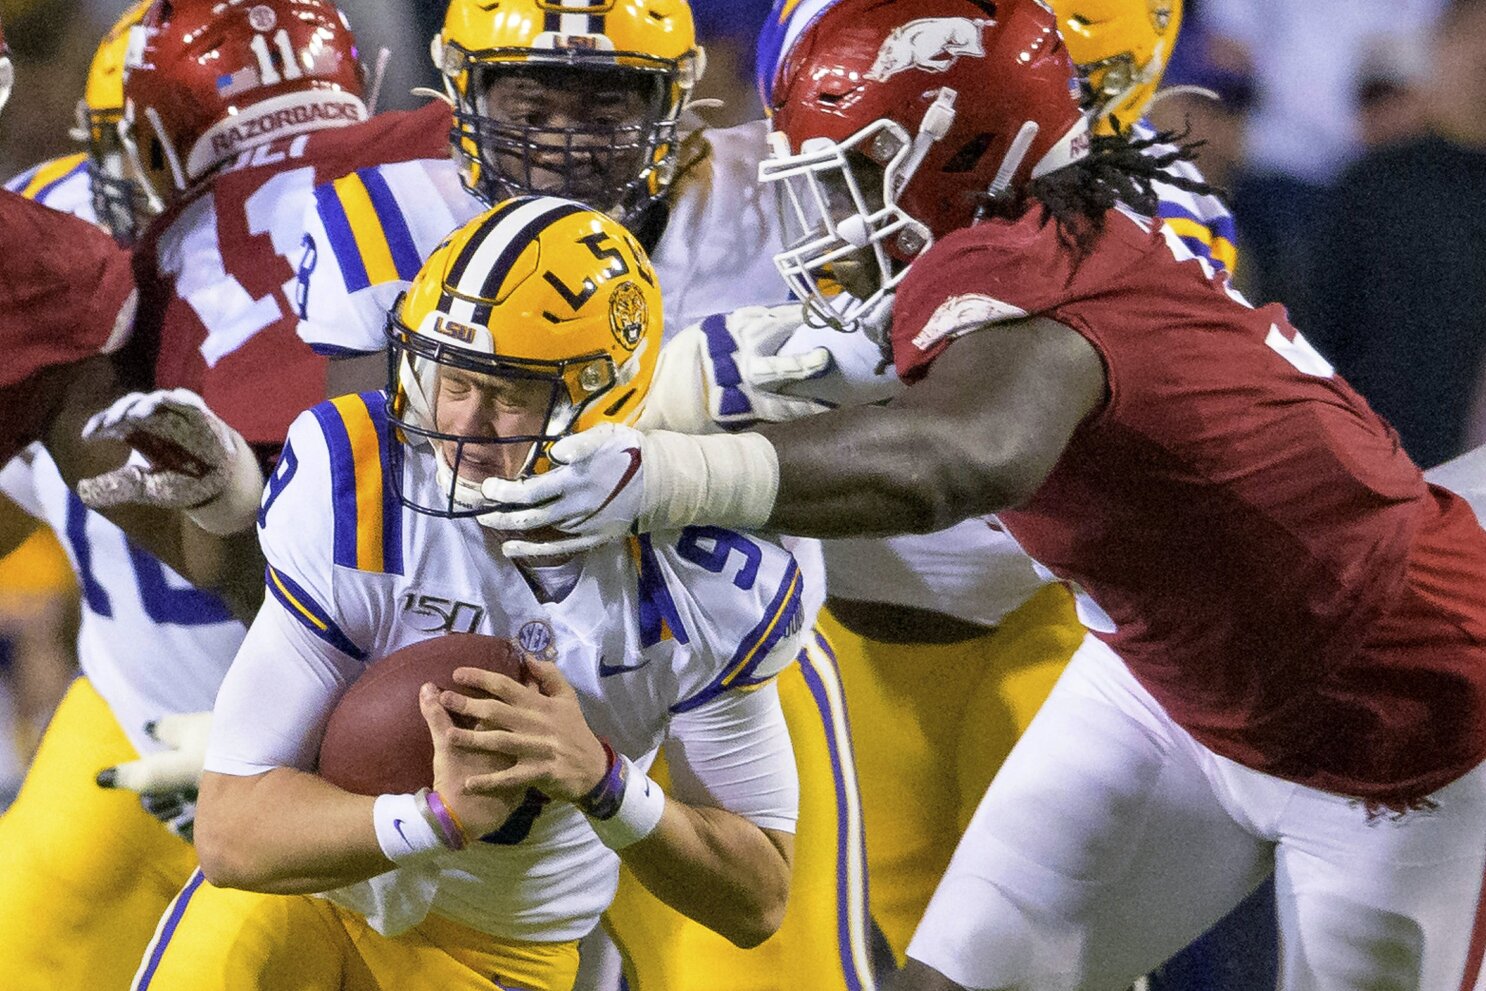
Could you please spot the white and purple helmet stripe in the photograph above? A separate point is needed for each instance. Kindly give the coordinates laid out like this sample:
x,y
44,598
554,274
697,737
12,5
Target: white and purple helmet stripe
x,y
786,22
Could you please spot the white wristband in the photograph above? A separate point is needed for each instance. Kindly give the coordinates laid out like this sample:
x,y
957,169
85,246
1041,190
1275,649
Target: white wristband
x,y
639,812
726,479
402,832
235,508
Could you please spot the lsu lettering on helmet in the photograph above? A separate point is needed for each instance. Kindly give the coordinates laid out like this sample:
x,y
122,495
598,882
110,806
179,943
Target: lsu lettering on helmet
x,y
947,103
7,71
1121,47
535,320
206,80
118,198
574,98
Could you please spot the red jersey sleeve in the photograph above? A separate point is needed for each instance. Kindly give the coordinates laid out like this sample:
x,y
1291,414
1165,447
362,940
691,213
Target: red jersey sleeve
x,y
994,272
66,290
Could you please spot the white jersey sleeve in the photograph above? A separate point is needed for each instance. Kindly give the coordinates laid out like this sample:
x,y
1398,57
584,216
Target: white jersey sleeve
x,y
367,235
306,525
735,753
310,639
62,184
735,601
1202,220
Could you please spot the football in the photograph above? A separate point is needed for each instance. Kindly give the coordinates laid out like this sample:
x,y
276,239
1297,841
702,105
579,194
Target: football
x,y
376,741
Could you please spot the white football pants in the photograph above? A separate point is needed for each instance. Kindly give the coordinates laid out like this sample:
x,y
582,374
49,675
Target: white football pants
x,y
1111,838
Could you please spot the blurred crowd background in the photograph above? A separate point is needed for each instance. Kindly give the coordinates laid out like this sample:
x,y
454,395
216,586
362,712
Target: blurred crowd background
x,y
1349,135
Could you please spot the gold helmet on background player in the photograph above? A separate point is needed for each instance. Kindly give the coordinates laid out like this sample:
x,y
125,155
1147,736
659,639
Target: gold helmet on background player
x,y
1121,47
575,98
118,198
536,320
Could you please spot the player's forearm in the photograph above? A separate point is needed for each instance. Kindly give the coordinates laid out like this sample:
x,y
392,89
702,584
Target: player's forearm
x,y
881,471
717,868
285,832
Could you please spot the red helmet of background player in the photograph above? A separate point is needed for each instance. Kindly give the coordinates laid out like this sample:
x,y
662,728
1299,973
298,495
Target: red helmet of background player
x,y
7,72
955,101
207,79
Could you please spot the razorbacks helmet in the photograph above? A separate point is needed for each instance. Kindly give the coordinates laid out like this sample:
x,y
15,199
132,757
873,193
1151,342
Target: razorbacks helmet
x,y
535,320
7,71
118,198
951,102
1121,47
208,79
642,50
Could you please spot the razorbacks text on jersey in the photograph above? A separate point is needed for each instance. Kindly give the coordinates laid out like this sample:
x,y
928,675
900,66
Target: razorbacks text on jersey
x,y
63,184
658,637
219,279
1254,483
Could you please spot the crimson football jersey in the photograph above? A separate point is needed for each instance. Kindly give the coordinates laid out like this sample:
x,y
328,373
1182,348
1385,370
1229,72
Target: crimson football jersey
x,y
66,294
219,272
1277,571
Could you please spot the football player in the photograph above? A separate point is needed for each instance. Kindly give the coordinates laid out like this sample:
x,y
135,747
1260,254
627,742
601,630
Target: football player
x,y
373,530
233,112
949,642
585,100
81,896
1286,671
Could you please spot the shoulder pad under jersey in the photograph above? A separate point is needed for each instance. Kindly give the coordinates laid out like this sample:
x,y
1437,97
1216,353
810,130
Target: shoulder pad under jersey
x,y
734,600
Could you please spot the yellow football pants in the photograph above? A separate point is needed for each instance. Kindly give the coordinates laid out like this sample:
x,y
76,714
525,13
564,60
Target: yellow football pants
x,y
932,724
823,942
217,939
84,872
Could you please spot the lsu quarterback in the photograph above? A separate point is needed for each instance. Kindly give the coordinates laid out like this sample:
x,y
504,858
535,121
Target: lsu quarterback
x,y
585,100
674,637
83,895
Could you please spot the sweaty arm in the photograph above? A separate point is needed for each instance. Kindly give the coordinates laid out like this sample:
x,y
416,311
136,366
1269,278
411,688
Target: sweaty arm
x,y
978,434
723,849
264,821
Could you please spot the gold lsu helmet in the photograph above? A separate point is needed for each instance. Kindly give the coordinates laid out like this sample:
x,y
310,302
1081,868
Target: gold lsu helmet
x,y
1121,48
548,310
117,200
645,50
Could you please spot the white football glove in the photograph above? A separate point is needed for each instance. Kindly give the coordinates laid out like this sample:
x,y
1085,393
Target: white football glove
x,y
725,372
594,493
614,480
169,771
184,457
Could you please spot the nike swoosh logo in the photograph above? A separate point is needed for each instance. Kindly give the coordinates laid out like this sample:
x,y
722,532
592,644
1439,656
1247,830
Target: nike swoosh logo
x,y
625,479
397,825
609,670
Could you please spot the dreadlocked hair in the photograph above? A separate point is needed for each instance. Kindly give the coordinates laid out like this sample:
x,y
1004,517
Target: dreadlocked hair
x,y
1118,169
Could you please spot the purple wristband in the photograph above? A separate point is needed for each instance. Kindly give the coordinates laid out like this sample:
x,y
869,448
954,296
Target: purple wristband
x,y
450,826
604,800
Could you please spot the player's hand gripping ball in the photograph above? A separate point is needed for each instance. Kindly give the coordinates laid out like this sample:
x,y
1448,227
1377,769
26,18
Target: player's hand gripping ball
x,y
376,741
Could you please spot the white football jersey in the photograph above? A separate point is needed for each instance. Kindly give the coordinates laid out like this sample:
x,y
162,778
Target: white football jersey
x,y
716,254
62,184
675,636
149,642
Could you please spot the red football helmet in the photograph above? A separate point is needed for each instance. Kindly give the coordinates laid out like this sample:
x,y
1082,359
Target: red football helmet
x,y
7,72
953,101
207,79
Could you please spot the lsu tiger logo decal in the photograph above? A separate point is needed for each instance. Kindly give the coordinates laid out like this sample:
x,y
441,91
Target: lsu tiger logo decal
x,y
628,314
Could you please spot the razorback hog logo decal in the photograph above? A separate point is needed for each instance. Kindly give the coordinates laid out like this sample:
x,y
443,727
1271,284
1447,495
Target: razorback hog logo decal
x,y
931,44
